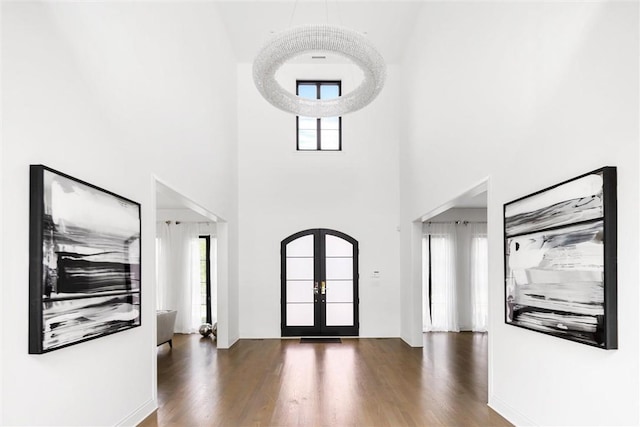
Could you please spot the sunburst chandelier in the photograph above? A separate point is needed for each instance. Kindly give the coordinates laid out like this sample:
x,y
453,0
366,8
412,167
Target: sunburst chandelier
x,y
295,41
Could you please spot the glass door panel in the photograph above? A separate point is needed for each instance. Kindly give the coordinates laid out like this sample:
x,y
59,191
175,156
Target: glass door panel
x,y
339,274
339,314
299,291
301,247
339,268
300,269
337,247
300,315
339,291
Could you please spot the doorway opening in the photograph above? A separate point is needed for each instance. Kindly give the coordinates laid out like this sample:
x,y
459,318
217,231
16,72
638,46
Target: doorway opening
x,y
455,271
186,260
452,241
319,284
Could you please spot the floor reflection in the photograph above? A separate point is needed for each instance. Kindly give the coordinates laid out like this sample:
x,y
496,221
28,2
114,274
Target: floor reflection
x,y
372,382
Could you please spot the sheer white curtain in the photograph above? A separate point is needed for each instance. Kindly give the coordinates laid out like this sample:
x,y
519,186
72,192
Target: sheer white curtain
x,y
459,277
443,302
178,273
163,259
479,275
426,309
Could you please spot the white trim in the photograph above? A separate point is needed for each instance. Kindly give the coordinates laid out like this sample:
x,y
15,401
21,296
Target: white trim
x,y
2,168
222,300
512,415
415,328
139,414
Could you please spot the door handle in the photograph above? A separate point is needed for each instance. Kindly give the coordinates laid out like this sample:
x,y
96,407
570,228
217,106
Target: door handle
x,y
323,288
315,288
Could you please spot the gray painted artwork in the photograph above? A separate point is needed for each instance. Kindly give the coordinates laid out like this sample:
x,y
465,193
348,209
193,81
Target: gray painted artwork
x,y
560,268
85,262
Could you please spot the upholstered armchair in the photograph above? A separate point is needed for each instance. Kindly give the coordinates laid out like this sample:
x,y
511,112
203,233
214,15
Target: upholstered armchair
x,y
166,323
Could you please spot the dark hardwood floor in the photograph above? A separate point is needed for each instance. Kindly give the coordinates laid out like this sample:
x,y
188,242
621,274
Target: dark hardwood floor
x,y
361,382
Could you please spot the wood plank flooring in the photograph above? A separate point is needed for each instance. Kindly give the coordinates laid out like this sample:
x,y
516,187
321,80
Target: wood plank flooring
x,y
360,382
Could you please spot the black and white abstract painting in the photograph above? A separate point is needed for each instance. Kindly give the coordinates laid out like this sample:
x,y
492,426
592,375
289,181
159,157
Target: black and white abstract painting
x,y
84,261
560,260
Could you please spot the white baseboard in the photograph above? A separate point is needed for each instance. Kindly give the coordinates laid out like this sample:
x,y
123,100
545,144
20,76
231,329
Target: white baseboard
x,y
137,416
512,415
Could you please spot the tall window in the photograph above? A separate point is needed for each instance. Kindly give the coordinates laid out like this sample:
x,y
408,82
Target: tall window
x,y
205,279
318,134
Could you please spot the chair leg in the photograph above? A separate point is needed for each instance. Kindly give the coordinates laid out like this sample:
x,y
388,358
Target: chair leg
x,y
170,343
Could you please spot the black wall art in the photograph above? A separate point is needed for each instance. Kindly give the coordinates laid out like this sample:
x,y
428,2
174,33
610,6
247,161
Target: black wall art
x,y
560,260
84,265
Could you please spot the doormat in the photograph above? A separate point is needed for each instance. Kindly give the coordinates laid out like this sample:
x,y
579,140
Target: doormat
x,y
320,340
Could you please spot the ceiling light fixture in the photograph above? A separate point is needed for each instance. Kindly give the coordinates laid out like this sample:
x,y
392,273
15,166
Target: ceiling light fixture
x,y
295,41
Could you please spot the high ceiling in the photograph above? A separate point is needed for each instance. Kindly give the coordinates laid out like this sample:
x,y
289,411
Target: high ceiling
x,y
388,24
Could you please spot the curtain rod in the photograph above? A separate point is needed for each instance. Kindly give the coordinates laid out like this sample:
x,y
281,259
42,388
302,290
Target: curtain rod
x,y
455,222
190,222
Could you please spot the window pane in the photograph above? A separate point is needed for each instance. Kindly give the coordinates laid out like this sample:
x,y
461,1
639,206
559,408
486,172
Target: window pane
x,y
307,91
329,91
339,314
330,123
307,140
299,291
330,140
330,127
339,268
300,314
307,123
300,269
337,246
340,291
203,279
203,248
301,247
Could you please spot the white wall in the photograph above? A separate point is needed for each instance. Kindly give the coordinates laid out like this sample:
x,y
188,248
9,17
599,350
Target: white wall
x,y
113,94
1,225
529,94
283,191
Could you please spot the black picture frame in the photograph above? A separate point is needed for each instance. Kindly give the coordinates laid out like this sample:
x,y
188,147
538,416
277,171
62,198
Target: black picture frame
x,y
84,261
560,260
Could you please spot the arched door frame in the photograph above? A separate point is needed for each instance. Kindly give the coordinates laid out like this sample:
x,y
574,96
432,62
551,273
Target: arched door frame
x,y
319,328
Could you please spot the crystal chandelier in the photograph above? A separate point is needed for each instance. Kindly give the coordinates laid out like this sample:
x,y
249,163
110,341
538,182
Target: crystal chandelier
x,y
290,43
